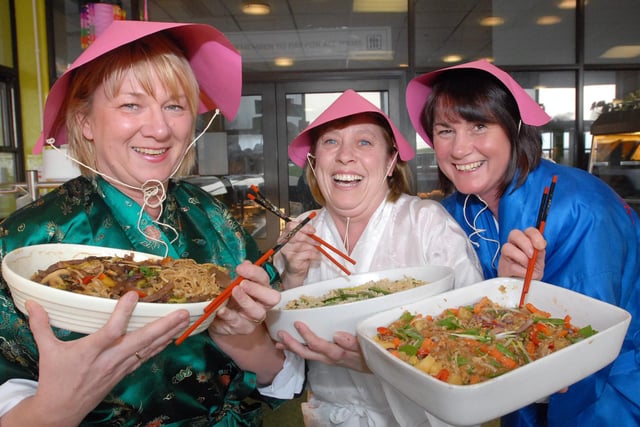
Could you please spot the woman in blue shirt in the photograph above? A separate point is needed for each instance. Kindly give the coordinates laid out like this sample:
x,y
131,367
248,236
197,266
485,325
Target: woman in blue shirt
x,y
483,128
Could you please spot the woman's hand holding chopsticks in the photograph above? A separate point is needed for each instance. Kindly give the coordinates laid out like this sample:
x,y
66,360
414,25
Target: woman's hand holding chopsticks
x,y
322,246
297,256
518,250
248,304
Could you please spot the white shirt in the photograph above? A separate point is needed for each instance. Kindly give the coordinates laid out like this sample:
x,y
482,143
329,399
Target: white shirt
x,y
408,232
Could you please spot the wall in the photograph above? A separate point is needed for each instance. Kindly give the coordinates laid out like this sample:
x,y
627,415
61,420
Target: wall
x,y
33,75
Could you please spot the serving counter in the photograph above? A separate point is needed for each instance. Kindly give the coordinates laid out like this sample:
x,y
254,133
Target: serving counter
x,y
615,153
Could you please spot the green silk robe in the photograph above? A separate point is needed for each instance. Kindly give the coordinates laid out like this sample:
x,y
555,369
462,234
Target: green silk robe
x,y
194,384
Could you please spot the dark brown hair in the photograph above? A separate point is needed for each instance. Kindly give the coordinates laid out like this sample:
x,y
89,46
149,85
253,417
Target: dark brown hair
x,y
477,96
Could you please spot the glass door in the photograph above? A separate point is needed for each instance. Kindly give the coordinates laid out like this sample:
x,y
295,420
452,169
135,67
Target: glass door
x,y
251,150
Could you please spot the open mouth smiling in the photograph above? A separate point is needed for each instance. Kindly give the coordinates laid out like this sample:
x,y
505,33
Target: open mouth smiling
x,y
468,167
150,151
347,178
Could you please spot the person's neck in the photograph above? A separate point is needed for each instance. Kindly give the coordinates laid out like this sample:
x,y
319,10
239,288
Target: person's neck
x,y
351,227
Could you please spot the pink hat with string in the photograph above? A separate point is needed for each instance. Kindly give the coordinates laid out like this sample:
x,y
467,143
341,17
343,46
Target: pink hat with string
x,y
349,103
216,64
419,89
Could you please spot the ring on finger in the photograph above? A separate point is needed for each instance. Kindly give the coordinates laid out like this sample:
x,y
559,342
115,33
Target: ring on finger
x,y
256,321
137,355
259,321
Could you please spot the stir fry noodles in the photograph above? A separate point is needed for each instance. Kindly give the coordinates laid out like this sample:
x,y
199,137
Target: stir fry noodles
x,y
163,280
471,344
371,289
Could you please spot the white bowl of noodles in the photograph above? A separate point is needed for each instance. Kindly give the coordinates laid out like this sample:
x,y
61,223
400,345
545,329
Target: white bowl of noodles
x,y
75,311
326,320
479,402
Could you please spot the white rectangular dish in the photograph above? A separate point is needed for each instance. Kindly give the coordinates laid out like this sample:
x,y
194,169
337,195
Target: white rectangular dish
x,y
475,404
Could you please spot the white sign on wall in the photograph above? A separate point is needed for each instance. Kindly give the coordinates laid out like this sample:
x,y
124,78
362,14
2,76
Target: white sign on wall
x,y
330,43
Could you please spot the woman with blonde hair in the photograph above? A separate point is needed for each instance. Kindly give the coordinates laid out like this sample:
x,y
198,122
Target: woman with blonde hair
x,y
127,107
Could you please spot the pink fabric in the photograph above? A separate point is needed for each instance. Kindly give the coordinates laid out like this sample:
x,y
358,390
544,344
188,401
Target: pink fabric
x,y
215,62
419,89
347,104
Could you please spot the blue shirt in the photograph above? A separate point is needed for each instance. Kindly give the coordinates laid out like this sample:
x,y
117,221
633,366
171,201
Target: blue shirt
x,y
593,247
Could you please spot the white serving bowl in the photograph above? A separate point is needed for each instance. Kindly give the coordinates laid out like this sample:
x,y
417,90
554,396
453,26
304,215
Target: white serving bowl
x,y
465,405
326,321
73,311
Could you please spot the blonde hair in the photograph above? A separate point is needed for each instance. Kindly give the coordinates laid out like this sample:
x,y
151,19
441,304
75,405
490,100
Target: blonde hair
x,y
400,180
150,59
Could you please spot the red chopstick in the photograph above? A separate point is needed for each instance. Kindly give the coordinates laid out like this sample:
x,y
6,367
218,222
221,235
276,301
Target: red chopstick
x,y
265,203
545,203
226,293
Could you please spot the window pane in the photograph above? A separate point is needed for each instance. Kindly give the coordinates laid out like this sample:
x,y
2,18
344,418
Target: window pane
x,y
7,123
606,91
68,37
510,32
611,32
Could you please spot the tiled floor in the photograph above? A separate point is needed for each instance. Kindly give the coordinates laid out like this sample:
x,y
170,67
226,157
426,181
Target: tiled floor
x,y
288,415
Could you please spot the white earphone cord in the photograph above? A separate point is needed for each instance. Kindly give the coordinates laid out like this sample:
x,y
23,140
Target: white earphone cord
x,y
478,231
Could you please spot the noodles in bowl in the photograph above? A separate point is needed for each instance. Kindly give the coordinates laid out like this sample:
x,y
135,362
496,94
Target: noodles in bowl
x,y
370,289
486,399
84,313
163,280
360,295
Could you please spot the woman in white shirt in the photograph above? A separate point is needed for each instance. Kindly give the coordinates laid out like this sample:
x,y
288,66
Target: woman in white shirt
x,y
357,170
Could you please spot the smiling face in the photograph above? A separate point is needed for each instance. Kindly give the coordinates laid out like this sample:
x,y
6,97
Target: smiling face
x,y
475,156
352,163
138,134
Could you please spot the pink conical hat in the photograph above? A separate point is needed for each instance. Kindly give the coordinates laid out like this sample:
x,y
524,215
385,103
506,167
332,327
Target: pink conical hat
x,y
419,89
347,104
215,61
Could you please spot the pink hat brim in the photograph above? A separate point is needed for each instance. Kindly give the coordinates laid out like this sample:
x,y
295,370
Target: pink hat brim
x,y
419,89
347,104
216,64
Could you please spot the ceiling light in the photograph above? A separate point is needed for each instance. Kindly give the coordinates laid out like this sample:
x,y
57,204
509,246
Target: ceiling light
x,y
548,20
452,58
567,4
492,21
380,5
256,8
622,51
283,61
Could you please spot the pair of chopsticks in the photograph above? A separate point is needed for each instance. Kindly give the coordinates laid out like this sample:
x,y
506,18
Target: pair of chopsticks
x,y
541,221
260,199
226,293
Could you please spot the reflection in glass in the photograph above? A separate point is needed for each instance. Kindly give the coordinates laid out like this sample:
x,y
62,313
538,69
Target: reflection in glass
x,y
611,34
506,31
